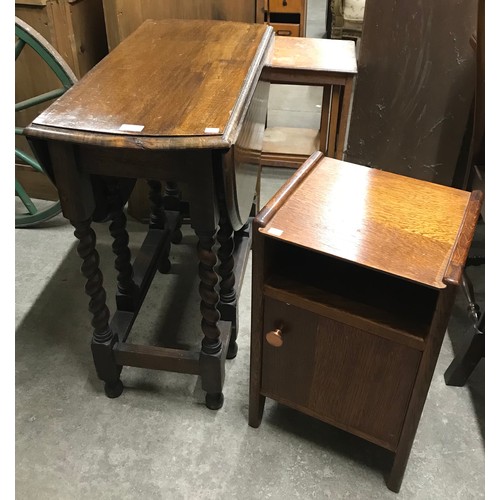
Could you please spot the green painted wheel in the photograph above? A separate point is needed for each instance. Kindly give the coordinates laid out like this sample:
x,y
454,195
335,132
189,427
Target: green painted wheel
x,y
33,211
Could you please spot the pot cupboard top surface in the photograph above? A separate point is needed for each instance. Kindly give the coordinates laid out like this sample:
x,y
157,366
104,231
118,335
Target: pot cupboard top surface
x,y
170,78
398,225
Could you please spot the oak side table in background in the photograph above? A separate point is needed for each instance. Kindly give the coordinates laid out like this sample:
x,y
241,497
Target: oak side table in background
x,y
178,101
330,64
354,275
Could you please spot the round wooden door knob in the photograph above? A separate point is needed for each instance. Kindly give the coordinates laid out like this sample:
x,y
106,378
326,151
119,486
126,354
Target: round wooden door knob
x,y
275,337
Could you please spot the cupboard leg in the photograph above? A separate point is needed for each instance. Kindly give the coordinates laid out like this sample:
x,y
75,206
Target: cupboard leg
x,y
397,472
256,409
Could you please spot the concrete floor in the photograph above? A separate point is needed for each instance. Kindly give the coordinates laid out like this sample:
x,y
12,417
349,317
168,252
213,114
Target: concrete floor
x,y
158,440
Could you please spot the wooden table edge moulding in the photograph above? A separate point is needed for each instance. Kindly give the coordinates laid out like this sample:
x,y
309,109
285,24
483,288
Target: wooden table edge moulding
x,y
160,107
354,274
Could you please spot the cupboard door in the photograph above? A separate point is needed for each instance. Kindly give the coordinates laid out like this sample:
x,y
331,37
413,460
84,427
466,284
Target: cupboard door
x,y
353,379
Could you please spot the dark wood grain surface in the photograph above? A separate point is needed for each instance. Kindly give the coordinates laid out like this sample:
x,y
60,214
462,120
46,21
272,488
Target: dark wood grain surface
x,y
398,225
146,82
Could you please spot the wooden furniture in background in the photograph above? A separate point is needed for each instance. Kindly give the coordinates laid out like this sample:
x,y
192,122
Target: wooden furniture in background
x,y
287,17
76,30
198,120
473,352
310,61
123,17
414,88
354,275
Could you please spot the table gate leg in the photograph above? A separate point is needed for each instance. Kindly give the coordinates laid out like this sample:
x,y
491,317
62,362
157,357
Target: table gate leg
x,y
228,307
157,221
127,293
172,202
103,338
211,362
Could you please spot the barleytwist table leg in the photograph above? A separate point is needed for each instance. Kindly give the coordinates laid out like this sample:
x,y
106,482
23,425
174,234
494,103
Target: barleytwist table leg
x,y
228,300
157,221
211,364
103,338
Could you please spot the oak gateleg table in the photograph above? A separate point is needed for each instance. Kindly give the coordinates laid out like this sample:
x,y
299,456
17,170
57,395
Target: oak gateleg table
x,y
180,102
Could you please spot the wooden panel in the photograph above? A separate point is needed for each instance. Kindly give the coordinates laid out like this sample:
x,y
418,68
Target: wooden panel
x,y
36,184
123,17
88,34
194,98
76,31
414,87
32,75
290,6
357,376
260,11
31,2
338,373
399,225
282,375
